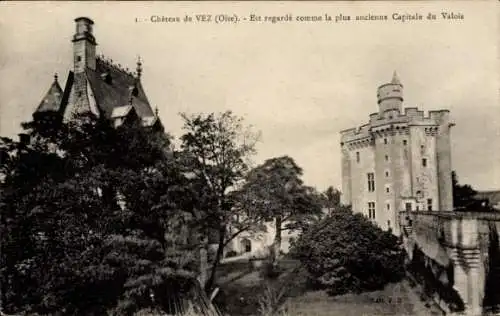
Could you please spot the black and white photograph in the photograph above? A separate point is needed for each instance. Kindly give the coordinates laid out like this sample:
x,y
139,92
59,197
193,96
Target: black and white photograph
x,y
249,158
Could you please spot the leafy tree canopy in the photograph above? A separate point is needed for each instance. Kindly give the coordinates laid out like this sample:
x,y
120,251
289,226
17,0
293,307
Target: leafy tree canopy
x,y
216,151
465,197
345,253
93,220
275,190
330,199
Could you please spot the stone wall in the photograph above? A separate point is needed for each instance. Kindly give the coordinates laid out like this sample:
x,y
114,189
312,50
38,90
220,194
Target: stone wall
x,y
260,242
463,241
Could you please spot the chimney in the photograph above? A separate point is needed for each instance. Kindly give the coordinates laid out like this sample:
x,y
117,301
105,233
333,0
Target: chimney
x,y
84,45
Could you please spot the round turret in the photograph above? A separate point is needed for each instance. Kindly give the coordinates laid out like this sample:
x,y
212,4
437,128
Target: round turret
x,y
84,29
390,95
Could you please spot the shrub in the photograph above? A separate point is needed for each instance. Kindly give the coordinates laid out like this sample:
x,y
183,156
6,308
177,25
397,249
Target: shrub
x,y
346,253
271,302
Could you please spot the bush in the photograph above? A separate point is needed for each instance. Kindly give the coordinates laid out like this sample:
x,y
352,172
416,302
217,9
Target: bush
x,y
346,253
271,302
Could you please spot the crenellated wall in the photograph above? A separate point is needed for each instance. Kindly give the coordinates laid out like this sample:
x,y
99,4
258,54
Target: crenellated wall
x,y
409,154
467,242
399,160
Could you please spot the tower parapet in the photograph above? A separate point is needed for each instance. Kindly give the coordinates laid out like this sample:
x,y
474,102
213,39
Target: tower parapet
x,y
390,95
400,159
357,133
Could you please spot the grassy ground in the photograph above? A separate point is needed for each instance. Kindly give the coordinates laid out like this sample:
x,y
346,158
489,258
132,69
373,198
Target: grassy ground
x,y
395,299
242,287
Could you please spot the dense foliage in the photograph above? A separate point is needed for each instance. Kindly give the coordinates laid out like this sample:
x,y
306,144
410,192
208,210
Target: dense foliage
x,y
276,191
99,220
330,199
92,220
465,197
345,252
215,151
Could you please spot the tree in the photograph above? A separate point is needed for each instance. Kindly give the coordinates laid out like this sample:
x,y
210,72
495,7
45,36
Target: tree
x,y
331,199
215,151
344,253
278,193
465,197
91,215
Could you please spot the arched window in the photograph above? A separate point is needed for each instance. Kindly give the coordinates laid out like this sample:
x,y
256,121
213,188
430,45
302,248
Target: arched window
x,y
246,245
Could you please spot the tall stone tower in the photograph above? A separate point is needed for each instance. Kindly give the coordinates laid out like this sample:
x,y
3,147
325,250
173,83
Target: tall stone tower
x,y
81,97
399,160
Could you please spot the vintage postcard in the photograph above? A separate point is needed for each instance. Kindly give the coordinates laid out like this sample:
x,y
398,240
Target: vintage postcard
x,y
316,157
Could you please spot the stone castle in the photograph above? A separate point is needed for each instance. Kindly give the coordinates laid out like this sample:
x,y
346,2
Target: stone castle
x,y
399,160
396,169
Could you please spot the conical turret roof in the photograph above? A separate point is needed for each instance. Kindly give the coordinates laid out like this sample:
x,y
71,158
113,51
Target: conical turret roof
x,y
52,99
395,78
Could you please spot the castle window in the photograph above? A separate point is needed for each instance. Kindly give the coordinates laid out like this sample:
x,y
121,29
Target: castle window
x,y
429,204
78,58
371,210
371,182
388,224
357,156
387,174
387,189
424,162
386,158
388,207
408,207
404,142
246,245
385,141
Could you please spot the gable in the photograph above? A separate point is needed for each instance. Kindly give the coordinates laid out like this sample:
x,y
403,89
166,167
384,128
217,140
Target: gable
x,y
81,98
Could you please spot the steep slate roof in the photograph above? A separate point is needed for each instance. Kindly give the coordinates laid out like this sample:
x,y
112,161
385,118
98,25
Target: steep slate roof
x,y
52,99
115,91
395,78
114,87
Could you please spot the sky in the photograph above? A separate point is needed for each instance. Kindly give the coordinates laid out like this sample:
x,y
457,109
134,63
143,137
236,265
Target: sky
x,y
298,83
